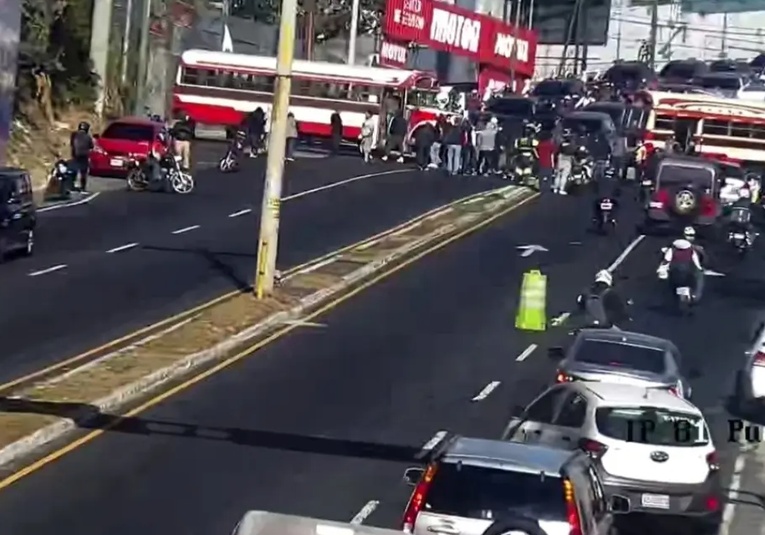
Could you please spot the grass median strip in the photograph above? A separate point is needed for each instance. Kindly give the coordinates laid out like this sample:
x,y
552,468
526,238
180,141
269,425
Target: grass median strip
x,y
43,411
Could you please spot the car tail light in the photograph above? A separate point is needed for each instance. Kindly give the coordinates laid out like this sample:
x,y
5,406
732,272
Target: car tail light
x,y
593,447
713,462
98,149
418,498
759,359
712,503
674,391
563,378
572,512
660,199
707,206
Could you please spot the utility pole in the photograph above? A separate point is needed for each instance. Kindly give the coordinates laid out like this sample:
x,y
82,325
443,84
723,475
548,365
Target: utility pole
x,y
268,241
354,31
724,37
143,60
653,38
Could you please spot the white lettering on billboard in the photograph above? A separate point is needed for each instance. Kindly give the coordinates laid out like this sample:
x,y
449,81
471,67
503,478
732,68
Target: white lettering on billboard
x,y
393,52
455,30
506,43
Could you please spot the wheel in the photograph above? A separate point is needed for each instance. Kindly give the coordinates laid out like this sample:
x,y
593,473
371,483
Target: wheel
x,y
182,183
29,245
135,181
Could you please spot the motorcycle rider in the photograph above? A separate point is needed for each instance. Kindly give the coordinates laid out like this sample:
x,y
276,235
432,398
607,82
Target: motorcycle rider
x,y
582,161
601,303
182,133
604,197
157,160
683,264
739,217
81,143
526,147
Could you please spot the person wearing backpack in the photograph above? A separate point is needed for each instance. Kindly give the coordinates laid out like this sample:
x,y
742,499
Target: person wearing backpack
x,y
81,144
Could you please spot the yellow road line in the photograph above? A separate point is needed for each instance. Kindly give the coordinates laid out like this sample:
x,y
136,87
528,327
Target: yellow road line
x,y
180,316
55,455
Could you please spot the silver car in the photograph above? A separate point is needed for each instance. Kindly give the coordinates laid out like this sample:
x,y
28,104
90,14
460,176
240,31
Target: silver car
x,y
622,357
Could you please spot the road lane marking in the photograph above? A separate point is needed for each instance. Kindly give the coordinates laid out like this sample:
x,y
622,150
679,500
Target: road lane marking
x,y
486,392
123,247
526,353
365,511
622,257
429,445
185,229
240,212
47,270
312,267
729,510
343,182
86,200
560,320
244,353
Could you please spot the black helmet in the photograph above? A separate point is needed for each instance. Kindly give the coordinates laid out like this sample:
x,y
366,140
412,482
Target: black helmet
x,y
83,127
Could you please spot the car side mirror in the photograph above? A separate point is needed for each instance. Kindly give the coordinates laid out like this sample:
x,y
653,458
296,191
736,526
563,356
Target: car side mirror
x,y
619,505
695,373
413,475
555,353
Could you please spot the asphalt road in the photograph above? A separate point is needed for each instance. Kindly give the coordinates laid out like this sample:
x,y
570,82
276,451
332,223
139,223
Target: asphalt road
x,y
326,419
169,253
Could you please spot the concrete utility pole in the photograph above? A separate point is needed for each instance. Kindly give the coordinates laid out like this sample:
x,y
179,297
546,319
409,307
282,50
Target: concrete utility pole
x,y
654,37
277,140
99,48
354,31
143,60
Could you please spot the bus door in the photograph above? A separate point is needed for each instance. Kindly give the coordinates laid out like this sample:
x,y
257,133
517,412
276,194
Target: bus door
x,y
686,130
392,102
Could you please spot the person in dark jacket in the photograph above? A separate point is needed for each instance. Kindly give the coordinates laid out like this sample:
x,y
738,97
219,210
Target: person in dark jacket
x,y
256,127
434,158
469,157
182,133
81,144
601,304
424,138
453,141
394,142
336,128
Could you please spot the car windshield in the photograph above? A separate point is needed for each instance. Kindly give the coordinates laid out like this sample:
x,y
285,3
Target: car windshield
x,y
720,82
487,493
685,174
615,112
520,107
656,426
682,71
577,124
621,355
129,132
551,88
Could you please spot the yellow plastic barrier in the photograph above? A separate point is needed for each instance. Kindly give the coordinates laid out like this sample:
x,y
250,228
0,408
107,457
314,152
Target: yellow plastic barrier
x,y
533,304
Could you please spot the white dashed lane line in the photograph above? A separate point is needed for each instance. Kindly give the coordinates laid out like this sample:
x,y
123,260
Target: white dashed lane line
x,y
241,212
365,512
121,248
185,229
45,271
486,392
526,353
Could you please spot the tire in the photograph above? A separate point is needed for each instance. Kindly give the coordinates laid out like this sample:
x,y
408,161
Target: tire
x,y
182,183
134,180
517,523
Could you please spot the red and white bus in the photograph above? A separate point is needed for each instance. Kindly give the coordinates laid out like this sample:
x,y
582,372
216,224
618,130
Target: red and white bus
x,y
217,89
721,128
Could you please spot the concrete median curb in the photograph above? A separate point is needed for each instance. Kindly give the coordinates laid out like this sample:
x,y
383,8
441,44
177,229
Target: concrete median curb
x,y
507,199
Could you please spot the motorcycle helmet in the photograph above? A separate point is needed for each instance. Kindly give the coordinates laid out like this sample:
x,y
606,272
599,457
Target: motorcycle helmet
x,y
689,233
83,127
605,277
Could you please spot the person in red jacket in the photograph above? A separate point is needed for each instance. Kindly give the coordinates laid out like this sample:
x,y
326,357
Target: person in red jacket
x,y
547,156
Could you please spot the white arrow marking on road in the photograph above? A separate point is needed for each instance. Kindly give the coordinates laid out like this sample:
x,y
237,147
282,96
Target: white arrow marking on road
x,y
712,273
528,250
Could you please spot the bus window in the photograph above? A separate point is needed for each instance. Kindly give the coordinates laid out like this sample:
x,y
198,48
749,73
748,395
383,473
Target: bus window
x,y
758,131
664,122
421,98
190,76
740,129
715,128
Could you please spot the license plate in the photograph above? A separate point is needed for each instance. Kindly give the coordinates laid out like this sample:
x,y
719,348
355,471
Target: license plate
x,y
683,291
738,236
116,162
655,501
606,206
646,182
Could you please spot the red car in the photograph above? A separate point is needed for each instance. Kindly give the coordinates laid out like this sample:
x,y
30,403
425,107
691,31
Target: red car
x,y
124,139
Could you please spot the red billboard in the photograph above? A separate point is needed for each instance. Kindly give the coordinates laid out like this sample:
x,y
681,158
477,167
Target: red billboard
x,y
445,27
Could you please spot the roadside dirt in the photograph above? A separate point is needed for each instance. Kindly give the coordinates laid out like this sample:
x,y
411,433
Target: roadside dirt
x,y
30,409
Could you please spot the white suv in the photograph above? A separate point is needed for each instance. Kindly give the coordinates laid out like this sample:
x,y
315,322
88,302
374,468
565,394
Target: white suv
x,y
650,447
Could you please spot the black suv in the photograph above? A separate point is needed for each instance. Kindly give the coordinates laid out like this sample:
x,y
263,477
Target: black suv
x,y
17,213
476,486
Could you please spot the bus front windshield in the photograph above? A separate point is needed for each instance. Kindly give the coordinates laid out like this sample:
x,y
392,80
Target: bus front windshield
x,y
423,98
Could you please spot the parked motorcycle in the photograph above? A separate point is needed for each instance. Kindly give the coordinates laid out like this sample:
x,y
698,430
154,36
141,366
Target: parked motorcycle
x,y
170,172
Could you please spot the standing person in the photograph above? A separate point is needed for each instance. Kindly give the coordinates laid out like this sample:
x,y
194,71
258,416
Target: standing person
x,y
256,127
336,127
435,148
468,155
368,129
81,143
487,147
396,133
453,142
424,138
566,151
547,155
292,137
182,133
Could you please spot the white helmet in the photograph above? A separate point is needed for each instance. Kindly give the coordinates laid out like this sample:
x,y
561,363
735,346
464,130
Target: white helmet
x,y
689,233
605,277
